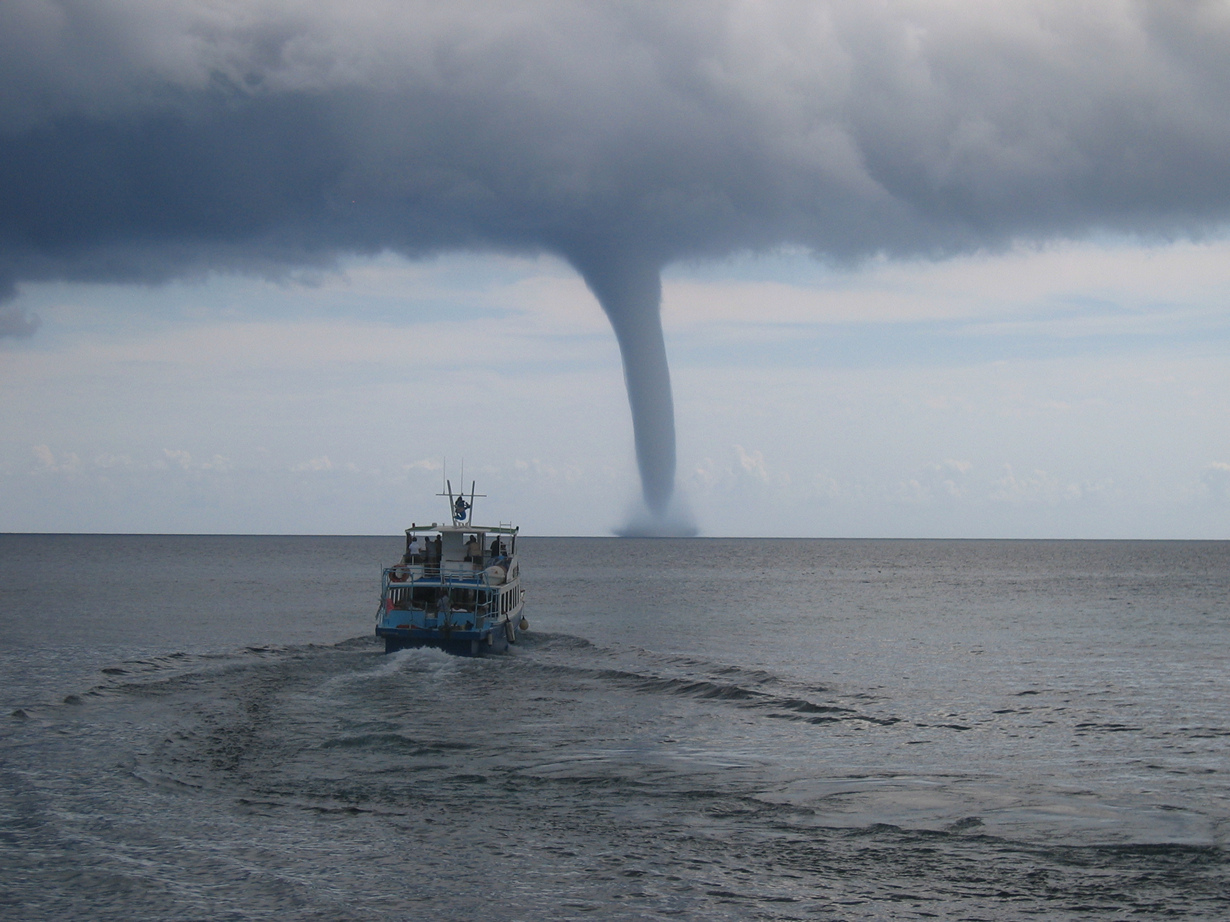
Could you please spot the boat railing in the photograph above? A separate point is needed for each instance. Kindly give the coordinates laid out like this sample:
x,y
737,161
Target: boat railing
x,y
465,574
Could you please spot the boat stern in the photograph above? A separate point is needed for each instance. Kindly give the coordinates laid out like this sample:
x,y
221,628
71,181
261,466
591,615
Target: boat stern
x,y
493,638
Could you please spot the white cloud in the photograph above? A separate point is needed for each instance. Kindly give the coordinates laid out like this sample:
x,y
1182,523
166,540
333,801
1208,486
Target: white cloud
x,y
740,472
67,462
947,481
314,465
45,455
107,461
1039,487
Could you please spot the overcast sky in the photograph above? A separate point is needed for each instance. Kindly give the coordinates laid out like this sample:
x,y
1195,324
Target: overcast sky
x,y
928,269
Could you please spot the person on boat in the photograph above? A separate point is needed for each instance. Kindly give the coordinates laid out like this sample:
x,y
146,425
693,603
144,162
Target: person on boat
x,y
474,551
414,550
495,548
460,508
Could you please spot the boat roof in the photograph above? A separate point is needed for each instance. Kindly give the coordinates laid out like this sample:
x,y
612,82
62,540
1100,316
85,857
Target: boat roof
x,y
485,529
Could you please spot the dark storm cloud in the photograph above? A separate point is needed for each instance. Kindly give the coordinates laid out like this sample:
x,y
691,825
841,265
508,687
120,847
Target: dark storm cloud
x,y
144,141
141,140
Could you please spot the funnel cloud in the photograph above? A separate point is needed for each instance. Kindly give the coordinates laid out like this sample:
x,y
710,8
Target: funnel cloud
x,y
146,141
630,292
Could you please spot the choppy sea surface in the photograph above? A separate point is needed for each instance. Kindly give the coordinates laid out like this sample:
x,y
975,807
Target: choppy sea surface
x,y
206,728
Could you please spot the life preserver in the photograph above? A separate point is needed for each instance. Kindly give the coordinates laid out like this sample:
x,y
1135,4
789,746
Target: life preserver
x,y
398,576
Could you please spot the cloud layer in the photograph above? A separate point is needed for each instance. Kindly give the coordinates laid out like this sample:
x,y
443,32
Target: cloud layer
x,y
142,140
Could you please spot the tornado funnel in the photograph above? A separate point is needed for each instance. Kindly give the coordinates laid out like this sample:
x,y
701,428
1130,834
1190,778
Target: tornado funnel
x,y
630,292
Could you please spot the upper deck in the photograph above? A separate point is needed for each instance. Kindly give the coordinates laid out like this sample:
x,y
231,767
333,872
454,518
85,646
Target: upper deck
x,y
457,552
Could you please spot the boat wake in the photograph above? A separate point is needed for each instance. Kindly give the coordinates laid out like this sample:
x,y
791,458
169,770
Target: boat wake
x,y
322,781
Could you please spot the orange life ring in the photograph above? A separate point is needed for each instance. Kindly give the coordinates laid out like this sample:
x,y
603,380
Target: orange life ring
x,y
396,576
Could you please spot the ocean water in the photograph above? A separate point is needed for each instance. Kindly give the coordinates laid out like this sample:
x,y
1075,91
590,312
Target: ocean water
x,y
206,728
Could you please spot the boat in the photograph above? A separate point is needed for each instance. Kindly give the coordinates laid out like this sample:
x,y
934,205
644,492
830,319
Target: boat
x,y
456,587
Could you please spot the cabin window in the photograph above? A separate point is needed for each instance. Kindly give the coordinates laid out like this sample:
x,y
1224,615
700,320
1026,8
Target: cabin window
x,y
424,596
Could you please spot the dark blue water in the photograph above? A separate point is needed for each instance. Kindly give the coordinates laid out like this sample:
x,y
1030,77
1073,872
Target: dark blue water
x,y
205,728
